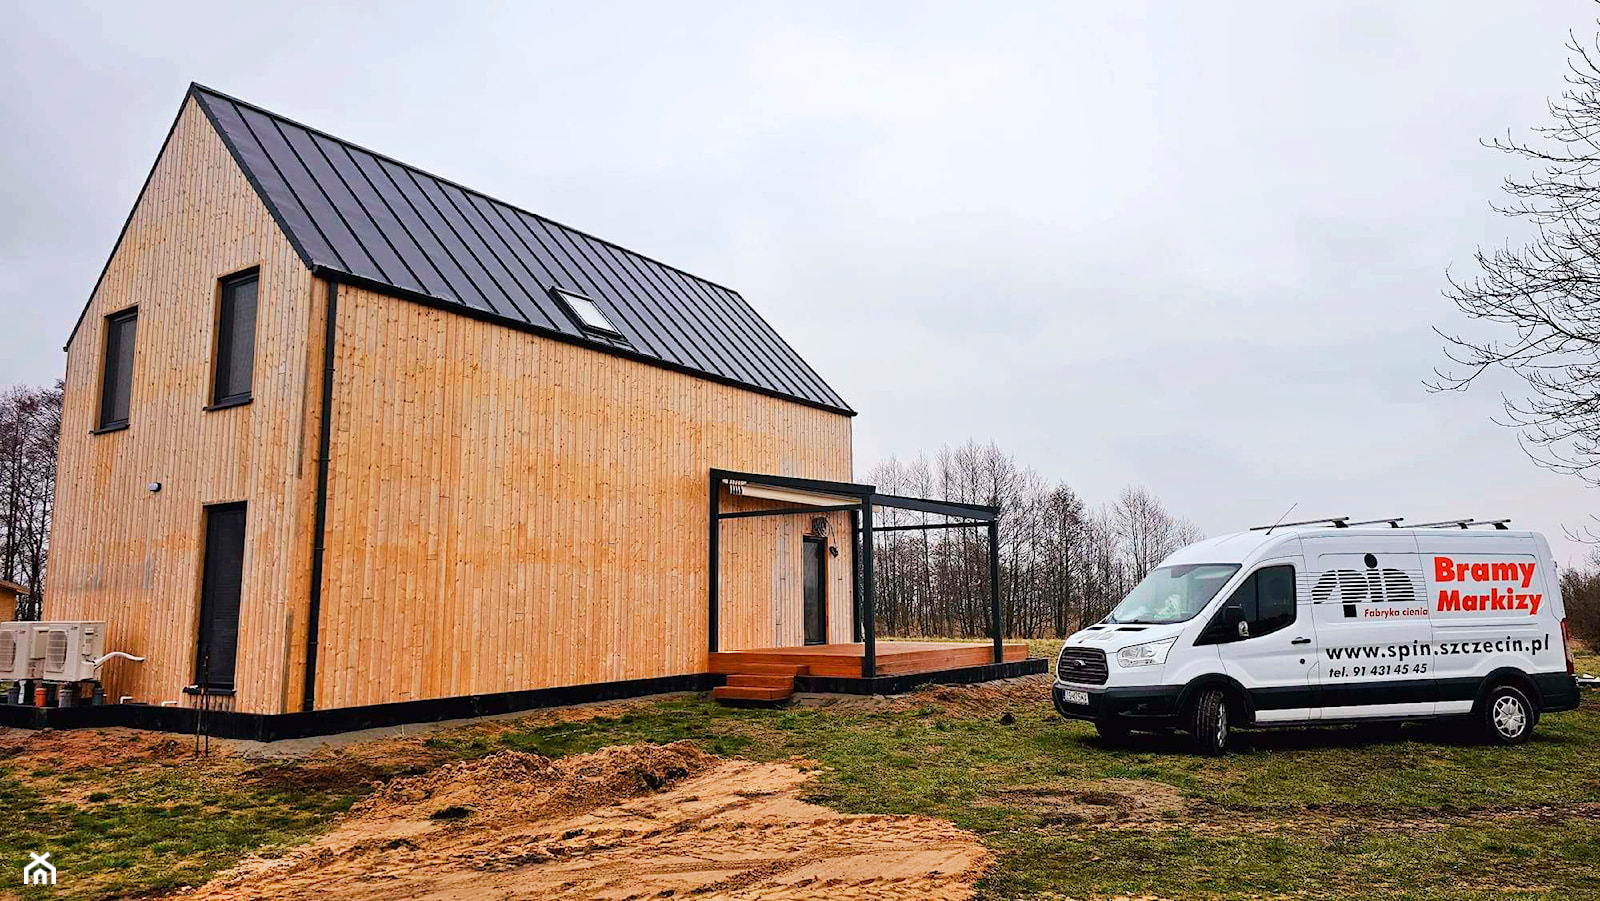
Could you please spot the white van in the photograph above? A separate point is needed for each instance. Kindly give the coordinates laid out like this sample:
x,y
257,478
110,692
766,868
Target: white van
x,y
1329,622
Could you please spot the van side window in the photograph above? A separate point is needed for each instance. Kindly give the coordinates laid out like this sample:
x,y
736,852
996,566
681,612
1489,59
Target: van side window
x,y
1267,599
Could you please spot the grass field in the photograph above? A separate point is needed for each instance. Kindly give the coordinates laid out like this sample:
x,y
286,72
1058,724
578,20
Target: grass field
x,y
1324,813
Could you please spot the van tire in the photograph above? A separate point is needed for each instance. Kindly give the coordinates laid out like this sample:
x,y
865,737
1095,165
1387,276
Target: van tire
x,y
1208,723
1507,716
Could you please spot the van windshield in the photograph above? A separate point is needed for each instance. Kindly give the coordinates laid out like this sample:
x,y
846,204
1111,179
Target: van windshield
x,y
1172,594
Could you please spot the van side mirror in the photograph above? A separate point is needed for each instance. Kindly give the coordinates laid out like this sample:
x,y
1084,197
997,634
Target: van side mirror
x,y
1233,616
1227,624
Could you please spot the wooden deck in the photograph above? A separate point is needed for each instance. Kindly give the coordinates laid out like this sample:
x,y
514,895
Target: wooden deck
x,y
894,658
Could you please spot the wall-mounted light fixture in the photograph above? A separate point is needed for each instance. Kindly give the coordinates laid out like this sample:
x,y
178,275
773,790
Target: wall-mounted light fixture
x,y
154,487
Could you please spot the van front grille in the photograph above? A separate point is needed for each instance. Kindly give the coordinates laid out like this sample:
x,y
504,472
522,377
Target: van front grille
x,y
1083,665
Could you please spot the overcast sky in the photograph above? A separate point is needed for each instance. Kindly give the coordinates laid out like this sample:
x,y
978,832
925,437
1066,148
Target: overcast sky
x,y
1193,246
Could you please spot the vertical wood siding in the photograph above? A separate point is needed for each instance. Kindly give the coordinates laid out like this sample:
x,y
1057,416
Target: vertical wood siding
x,y
507,511
132,557
763,589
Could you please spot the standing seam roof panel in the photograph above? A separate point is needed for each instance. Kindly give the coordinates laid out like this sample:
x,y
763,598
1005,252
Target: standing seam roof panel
x,y
400,238
494,217
493,295
775,346
628,321
355,215
327,220
276,193
736,332
567,274
350,210
688,352
458,285
646,309
458,209
714,332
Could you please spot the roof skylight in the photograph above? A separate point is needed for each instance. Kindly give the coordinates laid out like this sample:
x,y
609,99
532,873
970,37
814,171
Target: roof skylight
x,y
587,312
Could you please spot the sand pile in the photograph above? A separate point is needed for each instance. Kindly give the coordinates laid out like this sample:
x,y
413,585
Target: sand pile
x,y
512,787
641,821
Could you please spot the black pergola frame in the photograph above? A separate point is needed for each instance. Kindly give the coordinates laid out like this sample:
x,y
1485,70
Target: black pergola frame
x,y
862,583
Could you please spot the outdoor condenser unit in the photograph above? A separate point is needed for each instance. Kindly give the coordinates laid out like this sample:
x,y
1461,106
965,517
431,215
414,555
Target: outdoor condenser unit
x,y
53,652
14,651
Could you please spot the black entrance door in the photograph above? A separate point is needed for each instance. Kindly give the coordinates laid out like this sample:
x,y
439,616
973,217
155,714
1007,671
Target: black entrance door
x,y
816,589
219,596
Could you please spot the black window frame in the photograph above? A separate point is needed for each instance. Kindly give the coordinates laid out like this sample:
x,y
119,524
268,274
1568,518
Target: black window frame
x,y
226,333
109,369
1221,629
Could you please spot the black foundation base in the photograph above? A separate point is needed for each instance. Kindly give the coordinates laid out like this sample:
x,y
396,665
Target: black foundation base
x,y
277,726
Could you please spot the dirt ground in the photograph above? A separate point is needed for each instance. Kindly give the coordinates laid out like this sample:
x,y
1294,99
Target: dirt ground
x,y
984,699
70,750
641,821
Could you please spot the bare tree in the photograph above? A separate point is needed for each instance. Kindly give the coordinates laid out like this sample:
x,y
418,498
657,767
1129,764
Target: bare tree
x,y
30,430
1061,563
1580,590
1541,300
1148,532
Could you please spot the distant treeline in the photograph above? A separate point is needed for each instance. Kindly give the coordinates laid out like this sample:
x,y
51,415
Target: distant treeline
x,y
30,433
1580,591
1062,561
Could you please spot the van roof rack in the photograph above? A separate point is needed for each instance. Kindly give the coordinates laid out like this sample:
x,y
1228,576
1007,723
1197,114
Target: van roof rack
x,y
1463,523
1393,521
1338,522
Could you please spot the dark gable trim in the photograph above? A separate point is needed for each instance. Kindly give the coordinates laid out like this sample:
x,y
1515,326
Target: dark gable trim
x,y
249,174
460,309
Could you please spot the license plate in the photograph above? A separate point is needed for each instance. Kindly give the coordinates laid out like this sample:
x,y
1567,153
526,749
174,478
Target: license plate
x,y
1076,697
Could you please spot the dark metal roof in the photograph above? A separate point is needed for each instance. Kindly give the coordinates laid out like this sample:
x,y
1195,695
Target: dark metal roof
x,y
363,218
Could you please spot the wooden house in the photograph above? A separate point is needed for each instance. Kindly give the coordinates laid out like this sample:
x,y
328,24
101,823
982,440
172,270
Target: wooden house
x,y
341,435
10,593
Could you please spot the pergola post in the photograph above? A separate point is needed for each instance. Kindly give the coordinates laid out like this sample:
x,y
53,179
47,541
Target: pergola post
x,y
713,576
855,574
869,661
994,590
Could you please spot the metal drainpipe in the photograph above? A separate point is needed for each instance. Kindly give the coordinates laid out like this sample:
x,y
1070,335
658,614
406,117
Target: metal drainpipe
x,y
320,527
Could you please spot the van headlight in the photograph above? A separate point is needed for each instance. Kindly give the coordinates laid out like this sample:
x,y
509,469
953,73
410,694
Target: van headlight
x,y
1151,653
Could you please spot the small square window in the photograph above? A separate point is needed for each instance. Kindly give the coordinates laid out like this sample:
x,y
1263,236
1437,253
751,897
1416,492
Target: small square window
x,y
588,313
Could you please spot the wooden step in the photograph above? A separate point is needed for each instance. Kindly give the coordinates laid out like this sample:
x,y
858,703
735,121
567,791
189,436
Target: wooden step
x,y
751,693
756,669
753,680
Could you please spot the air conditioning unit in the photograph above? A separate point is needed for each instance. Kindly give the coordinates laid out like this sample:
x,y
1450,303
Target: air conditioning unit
x,y
54,652
14,651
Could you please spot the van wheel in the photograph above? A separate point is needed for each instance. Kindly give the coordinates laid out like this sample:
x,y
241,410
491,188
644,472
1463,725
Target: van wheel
x,y
1208,723
1113,732
1508,718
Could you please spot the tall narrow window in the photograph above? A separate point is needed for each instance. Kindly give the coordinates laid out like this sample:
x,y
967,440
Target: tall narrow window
x,y
116,386
221,583
236,340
